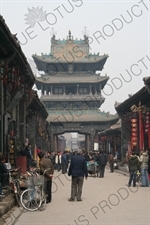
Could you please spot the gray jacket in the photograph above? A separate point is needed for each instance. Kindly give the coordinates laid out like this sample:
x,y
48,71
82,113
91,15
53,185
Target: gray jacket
x,y
144,160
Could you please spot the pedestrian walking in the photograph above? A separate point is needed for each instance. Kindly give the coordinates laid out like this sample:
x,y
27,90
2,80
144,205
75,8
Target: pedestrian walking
x,y
4,175
51,156
67,160
44,164
78,170
63,162
111,162
28,154
58,161
134,166
144,158
102,161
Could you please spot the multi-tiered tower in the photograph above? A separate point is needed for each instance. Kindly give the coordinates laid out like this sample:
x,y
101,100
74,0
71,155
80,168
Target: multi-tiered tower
x,y
71,90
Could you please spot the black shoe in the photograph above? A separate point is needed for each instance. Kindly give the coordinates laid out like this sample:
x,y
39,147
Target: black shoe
x,y
79,200
48,200
71,199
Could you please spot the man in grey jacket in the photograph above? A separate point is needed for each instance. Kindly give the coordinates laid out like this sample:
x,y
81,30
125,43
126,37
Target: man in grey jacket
x,y
46,164
144,158
134,164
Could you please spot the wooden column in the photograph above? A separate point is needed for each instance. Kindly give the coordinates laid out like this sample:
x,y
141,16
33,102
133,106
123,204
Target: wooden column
x,y
41,90
64,91
47,92
88,143
92,141
77,89
100,87
90,90
51,142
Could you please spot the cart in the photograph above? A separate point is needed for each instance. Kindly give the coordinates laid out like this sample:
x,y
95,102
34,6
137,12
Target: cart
x,y
93,168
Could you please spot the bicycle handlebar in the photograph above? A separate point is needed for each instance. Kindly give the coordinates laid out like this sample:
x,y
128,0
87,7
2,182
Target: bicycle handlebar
x,y
12,170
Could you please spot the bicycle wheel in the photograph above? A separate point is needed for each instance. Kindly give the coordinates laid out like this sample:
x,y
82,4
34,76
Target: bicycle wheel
x,y
43,198
17,192
31,200
43,203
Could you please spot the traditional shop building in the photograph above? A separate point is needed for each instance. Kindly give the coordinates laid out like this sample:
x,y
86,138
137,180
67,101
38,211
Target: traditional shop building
x,y
36,124
17,99
71,90
135,119
110,139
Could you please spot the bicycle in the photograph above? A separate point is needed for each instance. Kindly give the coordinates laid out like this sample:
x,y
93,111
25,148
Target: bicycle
x,y
15,185
34,197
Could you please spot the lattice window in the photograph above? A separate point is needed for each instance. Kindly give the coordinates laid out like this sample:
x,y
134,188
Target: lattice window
x,y
58,90
83,90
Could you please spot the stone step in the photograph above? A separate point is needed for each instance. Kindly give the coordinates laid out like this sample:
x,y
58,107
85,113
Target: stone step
x,y
7,203
6,192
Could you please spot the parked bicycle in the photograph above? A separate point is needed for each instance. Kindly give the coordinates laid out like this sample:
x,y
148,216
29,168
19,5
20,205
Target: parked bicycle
x,y
34,197
15,185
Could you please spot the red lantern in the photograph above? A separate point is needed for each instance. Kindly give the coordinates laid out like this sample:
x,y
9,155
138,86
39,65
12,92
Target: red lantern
x,y
133,139
134,134
134,125
134,130
134,143
147,122
133,120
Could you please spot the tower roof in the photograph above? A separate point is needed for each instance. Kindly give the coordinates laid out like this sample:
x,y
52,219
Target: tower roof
x,y
84,116
70,51
63,78
91,63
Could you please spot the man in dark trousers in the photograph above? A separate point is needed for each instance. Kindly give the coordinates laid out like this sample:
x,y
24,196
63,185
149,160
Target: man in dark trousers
x,y
4,175
111,162
134,166
78,170
102,160
44,165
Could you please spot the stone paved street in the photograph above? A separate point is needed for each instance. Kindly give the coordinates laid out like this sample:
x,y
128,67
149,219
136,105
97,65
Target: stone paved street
x,y
106,201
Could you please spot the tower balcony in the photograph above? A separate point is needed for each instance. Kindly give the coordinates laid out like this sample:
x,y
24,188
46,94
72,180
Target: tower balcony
x,y
73,97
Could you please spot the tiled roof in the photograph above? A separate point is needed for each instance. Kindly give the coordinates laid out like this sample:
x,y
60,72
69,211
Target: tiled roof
x,y
75,78
50,59
11,44
142,95
78,115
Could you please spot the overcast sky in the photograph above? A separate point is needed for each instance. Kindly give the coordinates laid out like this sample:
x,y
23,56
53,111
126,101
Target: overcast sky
x,y
120,29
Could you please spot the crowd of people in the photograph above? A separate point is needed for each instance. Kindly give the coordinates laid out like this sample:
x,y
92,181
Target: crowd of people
x,y
139,163
75,164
